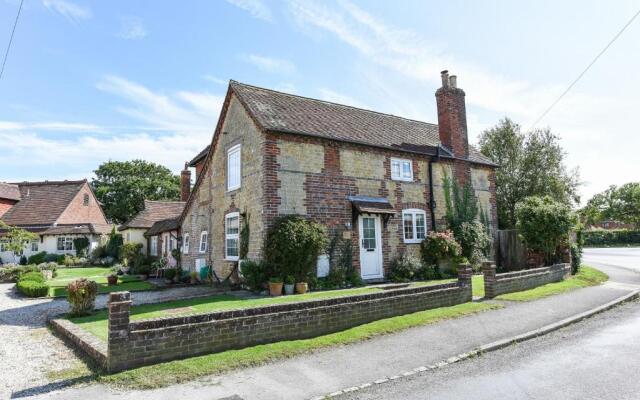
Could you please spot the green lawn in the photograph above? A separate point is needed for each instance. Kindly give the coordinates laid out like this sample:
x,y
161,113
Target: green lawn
x,y
98,274
587,276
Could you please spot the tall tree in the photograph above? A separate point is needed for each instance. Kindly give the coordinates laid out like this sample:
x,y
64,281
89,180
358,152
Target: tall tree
x,y
531,164
122,186
620,204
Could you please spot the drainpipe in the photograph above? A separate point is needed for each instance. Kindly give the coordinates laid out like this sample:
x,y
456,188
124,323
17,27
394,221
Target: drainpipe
x,y
432,200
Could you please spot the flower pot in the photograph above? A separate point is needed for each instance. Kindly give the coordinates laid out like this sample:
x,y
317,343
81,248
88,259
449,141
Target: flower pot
x,y
302,287
288,288
275,289
112,280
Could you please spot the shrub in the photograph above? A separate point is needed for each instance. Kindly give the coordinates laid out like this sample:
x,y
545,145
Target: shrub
x,y
439,246
50,257
12,272
60,258
475,242
49,266
114,244
611,237
256,274
293,244
23,260
170,273
31,288
544,224
37,258
131,254
35,276
404,268
81,295
81,244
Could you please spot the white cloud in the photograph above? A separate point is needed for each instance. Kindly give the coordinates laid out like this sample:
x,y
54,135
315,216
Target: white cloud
x,y
67,9
214,79
257,8
132,28
270,64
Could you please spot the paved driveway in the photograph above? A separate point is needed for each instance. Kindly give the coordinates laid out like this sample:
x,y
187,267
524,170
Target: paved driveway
x,y
615,257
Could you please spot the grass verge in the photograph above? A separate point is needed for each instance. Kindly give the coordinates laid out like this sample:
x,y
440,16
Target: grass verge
x,y
173,372
587,276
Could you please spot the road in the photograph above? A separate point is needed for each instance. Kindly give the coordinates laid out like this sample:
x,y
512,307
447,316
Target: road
x,y
594,359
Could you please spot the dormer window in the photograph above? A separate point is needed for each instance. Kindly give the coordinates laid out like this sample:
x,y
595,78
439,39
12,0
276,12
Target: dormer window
x,y
401,170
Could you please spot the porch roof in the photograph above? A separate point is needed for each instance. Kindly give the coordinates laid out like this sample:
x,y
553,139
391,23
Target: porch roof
x,y
372,205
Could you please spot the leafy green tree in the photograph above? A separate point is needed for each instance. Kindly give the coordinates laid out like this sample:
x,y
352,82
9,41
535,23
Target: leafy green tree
x,y
122,186
531,164
16,239
620,204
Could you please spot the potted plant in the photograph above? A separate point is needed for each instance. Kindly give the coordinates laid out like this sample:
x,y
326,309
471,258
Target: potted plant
x,y
112,279
194,277
302,287
275,286
289,283
170,275
144,271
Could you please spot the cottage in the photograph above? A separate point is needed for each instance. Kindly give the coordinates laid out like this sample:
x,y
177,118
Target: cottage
x,y
58,211
373,178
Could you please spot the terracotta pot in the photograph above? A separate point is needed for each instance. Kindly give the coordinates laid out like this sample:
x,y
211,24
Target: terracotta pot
x,y
302,287
112,280
275,289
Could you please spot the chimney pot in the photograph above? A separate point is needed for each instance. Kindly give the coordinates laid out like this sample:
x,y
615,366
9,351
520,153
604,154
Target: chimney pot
x,y
445,78
453,81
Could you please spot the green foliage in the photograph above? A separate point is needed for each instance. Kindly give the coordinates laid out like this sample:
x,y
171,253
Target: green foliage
x,y
170,274
122,187
12,272
37,258
114,244
35,276
621,204
544,224
461,207
474,241
31,288
23,260
439,246
131,254
404,268
81,295
341,270
256,274
611,237
293,244
16,238
245,231
51,257
81,245
531,164
289,280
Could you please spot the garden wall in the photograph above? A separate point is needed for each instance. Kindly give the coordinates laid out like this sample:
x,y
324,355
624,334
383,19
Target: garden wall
x,y
133,344
497,284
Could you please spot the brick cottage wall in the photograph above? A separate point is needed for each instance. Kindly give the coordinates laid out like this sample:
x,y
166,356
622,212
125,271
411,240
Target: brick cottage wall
x,y
133,344
497,284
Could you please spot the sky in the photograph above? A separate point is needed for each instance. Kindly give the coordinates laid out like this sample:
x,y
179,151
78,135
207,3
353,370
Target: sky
x,y
91,81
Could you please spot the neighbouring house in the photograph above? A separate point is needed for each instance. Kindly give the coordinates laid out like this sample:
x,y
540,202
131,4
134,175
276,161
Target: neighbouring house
x,y
612,224
372,178
162,239
198,161
134,230
58,211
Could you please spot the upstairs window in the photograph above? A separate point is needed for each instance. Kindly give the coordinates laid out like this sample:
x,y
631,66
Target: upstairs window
x,y
232,235
414,225
234,168
204,237
401,170
185,243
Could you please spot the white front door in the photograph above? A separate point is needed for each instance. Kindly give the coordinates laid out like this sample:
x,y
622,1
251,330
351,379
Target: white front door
x,y
370,246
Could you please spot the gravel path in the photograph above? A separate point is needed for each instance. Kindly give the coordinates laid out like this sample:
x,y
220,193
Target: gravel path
x,y
30,355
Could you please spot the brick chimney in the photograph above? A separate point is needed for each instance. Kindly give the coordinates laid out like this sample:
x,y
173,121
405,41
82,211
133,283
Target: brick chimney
x,y
185,183
452,116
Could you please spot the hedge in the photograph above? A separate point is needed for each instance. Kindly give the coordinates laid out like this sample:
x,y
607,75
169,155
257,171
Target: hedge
x,y
611,237
33,288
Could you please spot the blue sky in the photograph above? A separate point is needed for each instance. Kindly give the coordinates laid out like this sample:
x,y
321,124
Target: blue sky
x,y
89,81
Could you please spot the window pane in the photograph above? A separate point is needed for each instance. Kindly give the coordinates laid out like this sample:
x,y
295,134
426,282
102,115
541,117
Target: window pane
x,y
406,169
420,226
232,247
233,169
395,169
408,226
233,225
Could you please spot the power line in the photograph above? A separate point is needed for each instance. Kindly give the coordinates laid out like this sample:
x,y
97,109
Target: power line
x,y
585,70
13,31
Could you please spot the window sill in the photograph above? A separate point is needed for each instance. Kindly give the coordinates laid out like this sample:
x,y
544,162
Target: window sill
x,y
234,189
413,241
232,258
402,179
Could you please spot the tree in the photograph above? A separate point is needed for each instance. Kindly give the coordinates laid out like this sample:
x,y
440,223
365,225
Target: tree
x,y
620,204
122,187
531,164
16,238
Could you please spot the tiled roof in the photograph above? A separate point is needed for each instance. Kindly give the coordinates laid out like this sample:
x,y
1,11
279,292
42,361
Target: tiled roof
x,y
78,229
41,203
283,112
165,225
154,211
9,191
200,156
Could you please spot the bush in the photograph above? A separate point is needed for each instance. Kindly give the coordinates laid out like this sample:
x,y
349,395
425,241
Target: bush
x,y
23,260
49,266
293,244
50,257
37,258
404,268
35,276
60,258
81,295
114,244
256,274
12,272
475,242
439,246
544,224
611,237
31,288
170,273
81,244
131,254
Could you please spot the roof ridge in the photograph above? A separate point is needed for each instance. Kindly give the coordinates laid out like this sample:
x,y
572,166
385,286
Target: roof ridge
x,y
231,81
164,201
42,183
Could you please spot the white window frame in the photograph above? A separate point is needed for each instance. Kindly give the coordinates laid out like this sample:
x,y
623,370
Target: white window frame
x,y
237,149
400,176
34,245
413,212
231,236
67,243
185,243
204,238
154,246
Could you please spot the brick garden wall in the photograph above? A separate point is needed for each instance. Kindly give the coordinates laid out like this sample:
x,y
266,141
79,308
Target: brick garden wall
x,y
497,284
133,344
